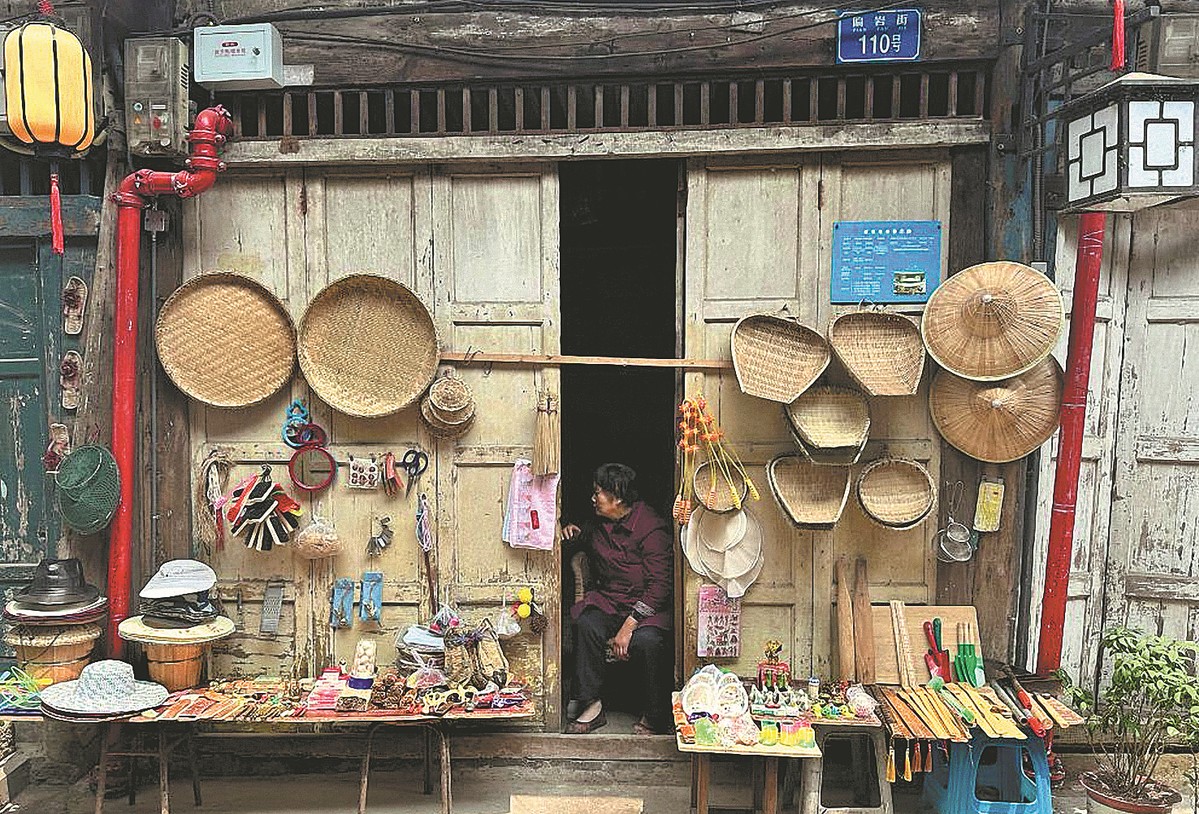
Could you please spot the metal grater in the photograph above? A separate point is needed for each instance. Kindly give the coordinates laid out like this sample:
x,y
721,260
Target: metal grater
x,y
272,607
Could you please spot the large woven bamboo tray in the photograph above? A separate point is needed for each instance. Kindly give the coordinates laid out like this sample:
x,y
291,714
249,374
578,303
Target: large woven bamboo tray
x,y
225,340
368,346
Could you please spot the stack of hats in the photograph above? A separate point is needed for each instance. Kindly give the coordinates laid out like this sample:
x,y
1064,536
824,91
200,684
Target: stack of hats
x,y
104,691
55,621
178,617
449,407
725,547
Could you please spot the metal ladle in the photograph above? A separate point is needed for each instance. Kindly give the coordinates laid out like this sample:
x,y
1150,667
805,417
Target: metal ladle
x,y
953,541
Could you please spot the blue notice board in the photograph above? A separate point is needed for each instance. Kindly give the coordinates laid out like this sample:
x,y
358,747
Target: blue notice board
x,y
885,261
879,36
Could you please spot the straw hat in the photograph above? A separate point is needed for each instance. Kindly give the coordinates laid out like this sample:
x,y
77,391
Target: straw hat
x,y
225,340
882,351
450,399
811,495
368,346
998,421
442,428
105,688
137,629
776,358
993,321
713,490
896,492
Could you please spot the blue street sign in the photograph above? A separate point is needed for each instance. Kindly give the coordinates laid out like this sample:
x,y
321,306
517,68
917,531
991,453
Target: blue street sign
x,y
879,36
885,261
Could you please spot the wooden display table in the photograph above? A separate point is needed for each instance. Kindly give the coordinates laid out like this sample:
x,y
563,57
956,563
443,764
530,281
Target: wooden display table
x,y
173,733
766,798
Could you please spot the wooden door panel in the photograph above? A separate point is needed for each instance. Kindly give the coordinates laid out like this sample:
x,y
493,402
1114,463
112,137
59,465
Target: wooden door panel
x,y
496,267
249,224
1152,576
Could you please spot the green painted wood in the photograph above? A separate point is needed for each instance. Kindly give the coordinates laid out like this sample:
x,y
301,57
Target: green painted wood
x,y
29,216
31,347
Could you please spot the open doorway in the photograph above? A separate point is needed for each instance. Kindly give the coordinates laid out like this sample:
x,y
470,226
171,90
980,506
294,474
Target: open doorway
x,y
618,298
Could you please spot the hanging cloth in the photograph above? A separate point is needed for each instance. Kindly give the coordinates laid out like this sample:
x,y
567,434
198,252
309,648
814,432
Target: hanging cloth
x,y
532,510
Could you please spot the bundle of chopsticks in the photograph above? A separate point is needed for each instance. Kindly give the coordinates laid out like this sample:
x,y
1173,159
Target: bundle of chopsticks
x,y
949,712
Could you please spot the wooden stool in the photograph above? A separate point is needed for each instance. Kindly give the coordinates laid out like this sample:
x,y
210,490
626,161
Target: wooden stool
x,y
813,770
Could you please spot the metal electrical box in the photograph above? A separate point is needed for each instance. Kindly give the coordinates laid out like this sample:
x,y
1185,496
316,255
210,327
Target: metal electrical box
x,y
157,112
238,57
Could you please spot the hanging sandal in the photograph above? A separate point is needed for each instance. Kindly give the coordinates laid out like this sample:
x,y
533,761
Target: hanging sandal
x,y
74,302
70,379
581,728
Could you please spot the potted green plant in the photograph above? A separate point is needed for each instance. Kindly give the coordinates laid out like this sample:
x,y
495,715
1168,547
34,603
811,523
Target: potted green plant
x,y
1150,702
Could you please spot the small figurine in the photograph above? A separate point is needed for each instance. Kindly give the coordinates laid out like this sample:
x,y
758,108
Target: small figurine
x,y
773,672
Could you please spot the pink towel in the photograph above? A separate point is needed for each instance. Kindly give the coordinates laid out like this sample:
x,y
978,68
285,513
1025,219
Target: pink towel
x,y
532,514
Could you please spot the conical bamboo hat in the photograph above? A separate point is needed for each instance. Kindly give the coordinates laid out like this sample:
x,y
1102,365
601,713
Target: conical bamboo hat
x,y
993,321
998,421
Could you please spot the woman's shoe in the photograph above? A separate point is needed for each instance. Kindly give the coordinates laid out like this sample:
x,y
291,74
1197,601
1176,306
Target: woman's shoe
x,y
581,728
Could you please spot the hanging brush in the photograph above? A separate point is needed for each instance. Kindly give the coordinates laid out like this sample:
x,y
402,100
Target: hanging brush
x,y
547,440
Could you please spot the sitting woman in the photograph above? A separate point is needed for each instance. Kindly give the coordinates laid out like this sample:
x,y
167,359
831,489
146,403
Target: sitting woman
x,y
629,608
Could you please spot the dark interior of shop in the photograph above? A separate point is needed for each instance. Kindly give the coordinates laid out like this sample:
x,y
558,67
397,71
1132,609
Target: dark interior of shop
x,y
618,251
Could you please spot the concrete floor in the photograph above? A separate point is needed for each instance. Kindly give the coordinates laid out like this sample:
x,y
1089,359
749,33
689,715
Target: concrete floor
x,y
478,789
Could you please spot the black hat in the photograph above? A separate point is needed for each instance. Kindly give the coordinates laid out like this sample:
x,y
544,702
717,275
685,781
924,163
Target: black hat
x,y
58,582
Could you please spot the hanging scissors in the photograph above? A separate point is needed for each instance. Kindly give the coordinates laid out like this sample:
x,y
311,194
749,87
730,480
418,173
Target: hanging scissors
x,y
414,463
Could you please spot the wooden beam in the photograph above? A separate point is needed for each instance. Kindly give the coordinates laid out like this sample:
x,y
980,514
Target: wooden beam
x,y
517,44
559,360
22,216
758,140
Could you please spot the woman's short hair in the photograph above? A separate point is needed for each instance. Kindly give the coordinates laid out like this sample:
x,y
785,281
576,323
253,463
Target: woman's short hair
x,y
617,480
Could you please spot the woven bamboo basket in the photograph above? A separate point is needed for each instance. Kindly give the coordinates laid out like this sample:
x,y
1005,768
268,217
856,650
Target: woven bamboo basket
x,y
833,456
225,340
882,351
368,346
811,496
829,417
714,491
776,358
442,428
993,321
896,492
998,421
175,666
450,400
58,653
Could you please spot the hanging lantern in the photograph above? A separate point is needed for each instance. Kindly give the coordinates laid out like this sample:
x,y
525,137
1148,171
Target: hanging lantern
x,y
48,92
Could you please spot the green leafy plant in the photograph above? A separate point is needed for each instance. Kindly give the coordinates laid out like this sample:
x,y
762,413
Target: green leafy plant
x,y
1151,701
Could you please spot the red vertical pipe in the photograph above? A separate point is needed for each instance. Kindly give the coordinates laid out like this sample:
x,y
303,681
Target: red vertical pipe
x,y
208,135
1091,227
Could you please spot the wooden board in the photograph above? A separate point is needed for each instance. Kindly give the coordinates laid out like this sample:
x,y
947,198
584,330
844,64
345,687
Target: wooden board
x,y
755,751
886,660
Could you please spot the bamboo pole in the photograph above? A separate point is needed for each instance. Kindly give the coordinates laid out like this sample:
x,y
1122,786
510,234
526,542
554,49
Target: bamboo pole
x,y
560,360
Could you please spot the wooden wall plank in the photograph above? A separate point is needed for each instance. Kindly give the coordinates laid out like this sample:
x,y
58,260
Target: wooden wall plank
x,y
445,47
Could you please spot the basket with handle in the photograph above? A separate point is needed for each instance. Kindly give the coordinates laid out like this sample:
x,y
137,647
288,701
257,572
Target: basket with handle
x,y
777,358
882,351
896,493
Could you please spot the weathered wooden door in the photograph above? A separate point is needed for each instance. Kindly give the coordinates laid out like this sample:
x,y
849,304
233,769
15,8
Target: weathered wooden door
x,y
496,281
1092,528
26,346
480,248
759,241
1152,575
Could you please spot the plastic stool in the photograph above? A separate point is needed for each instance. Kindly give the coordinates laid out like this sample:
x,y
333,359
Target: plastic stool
x,y
813,771
951,789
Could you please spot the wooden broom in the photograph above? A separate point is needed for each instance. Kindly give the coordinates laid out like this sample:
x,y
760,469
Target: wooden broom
x,y
547,440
